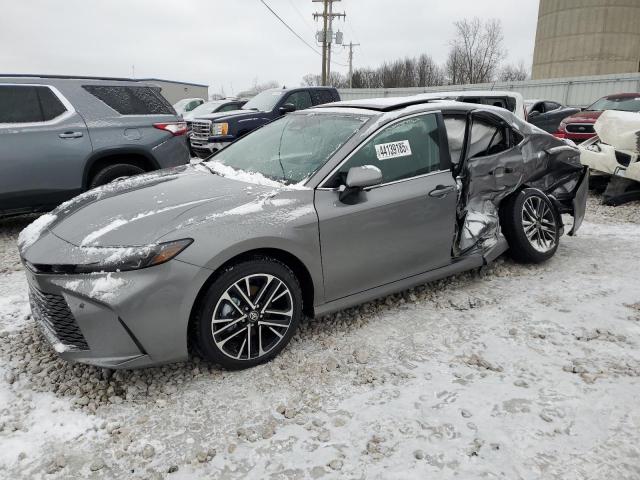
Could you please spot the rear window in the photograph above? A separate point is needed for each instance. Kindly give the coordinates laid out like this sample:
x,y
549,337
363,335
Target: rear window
x,y
128,100
28,104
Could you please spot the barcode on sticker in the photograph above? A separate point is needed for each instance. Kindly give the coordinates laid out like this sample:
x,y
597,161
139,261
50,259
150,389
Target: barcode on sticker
x,y
385,151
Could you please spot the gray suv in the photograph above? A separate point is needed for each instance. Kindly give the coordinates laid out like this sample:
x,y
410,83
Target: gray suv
x,y
60,136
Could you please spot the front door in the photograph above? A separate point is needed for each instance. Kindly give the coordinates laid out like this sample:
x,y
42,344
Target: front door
x,y
395,230
44,145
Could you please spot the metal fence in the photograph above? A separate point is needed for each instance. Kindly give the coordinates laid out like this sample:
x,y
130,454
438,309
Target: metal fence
x,y
576,91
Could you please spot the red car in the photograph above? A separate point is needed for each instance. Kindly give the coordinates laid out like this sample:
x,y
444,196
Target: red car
x,y
579,127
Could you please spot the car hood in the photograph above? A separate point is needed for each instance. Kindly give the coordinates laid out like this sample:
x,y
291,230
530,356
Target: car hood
x,y
142,209
583,117
232,115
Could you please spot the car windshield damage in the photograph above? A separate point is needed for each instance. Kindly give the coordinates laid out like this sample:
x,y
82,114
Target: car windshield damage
x,y
264,101
625,104
291,149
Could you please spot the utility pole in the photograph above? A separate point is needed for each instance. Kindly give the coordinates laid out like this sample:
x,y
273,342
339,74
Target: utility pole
x,y
351,45
326,35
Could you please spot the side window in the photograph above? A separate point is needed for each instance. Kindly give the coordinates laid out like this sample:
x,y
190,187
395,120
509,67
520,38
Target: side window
x,y
320,96
228,107
300,100
403,150
52,107
456,126
488,139
130,100
28,104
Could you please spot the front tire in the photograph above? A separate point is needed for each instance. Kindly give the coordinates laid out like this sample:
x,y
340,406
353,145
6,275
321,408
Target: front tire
x,y
248,314
531,226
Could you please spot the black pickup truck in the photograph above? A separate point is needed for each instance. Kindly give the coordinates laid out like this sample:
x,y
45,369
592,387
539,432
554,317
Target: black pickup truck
x,y
210,133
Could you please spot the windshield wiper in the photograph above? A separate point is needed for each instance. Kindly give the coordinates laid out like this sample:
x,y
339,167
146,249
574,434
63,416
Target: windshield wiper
x,y
204,164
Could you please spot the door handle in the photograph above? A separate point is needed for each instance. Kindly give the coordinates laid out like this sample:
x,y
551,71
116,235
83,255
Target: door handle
x,y
70,135
441,191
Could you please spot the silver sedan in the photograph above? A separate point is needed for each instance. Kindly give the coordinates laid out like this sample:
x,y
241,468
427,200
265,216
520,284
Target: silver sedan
x,y
315,212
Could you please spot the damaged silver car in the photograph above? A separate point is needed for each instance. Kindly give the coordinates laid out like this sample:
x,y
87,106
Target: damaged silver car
x,y
614,156
318,211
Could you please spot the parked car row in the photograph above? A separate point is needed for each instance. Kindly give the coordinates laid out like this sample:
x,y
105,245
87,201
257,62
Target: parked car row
x,y
213,131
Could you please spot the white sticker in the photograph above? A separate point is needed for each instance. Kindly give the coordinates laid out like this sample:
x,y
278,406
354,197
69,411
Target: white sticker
x,y
385,151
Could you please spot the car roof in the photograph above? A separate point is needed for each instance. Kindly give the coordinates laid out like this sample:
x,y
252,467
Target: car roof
x,y
470,93
390,104
622,95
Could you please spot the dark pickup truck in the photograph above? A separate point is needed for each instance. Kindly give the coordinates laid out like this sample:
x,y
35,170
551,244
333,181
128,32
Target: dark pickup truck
x,y
210,133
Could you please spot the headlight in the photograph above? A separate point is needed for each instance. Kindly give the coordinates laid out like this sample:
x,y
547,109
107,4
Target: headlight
x,y
116,259
220,128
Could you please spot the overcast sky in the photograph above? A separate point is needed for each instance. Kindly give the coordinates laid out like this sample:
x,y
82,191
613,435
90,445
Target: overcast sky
x,y
233,43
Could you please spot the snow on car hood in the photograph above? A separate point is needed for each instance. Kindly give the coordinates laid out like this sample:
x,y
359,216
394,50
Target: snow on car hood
x,y
140,210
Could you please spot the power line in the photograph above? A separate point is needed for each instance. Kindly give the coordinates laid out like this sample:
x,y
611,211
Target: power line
x,y
307,24
290,29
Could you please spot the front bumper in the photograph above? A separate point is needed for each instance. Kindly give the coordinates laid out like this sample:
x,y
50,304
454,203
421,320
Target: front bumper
x,y
118,320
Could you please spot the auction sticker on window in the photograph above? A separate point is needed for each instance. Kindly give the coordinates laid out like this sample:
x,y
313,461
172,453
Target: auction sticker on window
x,y
385,151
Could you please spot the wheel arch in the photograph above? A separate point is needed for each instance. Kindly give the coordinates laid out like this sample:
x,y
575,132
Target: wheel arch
x,y
111,156
298,267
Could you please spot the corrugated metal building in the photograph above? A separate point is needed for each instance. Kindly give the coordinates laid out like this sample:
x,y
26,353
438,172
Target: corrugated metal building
x,y
575,91
174,91
586,37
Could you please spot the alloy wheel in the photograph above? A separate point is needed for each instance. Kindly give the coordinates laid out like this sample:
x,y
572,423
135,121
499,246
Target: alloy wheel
x,y
539,224
252,316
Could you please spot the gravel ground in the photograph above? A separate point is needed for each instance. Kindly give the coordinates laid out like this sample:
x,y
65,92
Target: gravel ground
x,y
510,372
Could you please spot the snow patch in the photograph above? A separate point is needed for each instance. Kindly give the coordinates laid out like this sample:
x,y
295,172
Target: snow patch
x,y
93,236
249,177
34,230
106,288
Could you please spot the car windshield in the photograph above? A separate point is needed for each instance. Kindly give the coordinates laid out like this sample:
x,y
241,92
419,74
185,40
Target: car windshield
x,y
264,101
205,108
292,148
625,104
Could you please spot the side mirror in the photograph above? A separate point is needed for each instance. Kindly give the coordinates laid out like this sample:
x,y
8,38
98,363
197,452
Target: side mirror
x,y
533,113
359,178
287,108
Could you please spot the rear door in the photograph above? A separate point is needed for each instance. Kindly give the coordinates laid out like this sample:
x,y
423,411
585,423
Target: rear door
x,y
492,166
395,230
44,144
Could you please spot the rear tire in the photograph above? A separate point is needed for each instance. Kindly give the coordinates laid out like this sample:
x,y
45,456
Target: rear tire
x,y
531,226
238,323
113,172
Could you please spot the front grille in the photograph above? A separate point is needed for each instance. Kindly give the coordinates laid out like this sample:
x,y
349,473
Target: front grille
x,y
580,128
54,311
201,128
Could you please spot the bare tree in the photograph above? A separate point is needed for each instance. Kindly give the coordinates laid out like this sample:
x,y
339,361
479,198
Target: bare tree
x,y
258,87
514,73
476,51
428,74
336,79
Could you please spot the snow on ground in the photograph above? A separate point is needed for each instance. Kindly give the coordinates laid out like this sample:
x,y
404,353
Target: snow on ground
x,y
518,372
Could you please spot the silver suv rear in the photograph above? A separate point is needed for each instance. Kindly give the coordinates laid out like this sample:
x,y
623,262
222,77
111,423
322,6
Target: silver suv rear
x,y
60,136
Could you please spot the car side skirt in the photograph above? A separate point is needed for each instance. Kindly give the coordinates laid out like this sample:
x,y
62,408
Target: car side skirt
x,y
460,265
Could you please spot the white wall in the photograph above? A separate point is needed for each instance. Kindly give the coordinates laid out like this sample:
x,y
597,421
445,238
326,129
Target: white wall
x,y
577,91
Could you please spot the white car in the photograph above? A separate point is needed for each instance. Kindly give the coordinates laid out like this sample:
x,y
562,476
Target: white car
x,y
613,155
187,104
512,101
